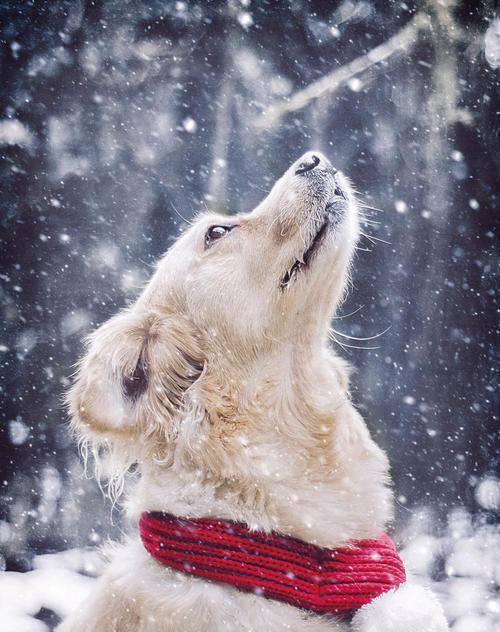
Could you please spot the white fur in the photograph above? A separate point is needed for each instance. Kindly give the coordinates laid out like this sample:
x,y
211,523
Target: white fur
x,y
409,608
220,386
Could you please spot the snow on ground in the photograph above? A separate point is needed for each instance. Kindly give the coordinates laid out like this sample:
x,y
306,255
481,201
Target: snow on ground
x,y
57,583
462,567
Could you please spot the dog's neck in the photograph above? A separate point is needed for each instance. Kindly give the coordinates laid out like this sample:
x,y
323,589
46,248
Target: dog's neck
x,y
318,579
259,452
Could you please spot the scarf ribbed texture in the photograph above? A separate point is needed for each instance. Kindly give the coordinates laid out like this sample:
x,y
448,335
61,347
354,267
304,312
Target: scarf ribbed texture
x,y
337,581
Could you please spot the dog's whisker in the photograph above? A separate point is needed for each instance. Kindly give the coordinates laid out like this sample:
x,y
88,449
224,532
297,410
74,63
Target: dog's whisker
x,y
367,220
350,313
374,239
345,345
363,205
184,219
339,333
271,225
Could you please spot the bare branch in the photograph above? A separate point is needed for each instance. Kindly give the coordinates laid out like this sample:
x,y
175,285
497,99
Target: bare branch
x,y
403,40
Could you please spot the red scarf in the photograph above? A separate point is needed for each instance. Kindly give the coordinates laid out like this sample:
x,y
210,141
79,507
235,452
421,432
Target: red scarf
x,y
323,580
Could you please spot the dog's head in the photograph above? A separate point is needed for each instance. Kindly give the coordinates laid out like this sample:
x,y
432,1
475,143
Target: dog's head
x,y
231,290
272,275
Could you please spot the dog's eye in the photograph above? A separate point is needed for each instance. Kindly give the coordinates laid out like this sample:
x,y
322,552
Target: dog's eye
x,y
214,233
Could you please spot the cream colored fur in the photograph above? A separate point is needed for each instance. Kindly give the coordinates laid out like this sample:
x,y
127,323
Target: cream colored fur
x,y
240,409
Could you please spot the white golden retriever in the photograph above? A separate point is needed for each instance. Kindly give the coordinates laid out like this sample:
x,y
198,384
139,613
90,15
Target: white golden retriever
x,y
219,384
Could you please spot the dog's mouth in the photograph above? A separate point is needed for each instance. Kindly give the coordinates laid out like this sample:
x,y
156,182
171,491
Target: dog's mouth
x,y
304,262
327,186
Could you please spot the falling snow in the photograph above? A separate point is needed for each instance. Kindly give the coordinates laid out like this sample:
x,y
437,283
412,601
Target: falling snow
x,y
117,127
492,44
18,431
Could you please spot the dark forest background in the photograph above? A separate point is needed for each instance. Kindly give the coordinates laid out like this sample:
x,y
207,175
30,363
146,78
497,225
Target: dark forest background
x,y
121,119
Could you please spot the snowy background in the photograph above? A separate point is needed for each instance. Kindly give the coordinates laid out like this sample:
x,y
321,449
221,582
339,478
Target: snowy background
x,y
121,119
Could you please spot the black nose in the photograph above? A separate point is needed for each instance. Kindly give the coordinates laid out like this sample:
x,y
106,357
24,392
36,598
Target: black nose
x,y
310,162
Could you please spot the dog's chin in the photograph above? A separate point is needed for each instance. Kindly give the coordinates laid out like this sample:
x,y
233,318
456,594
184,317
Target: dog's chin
x,y
324,237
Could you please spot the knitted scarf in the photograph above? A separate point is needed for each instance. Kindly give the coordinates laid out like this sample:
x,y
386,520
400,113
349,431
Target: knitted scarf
x,y
322,580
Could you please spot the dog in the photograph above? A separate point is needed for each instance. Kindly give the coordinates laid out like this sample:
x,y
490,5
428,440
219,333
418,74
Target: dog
x,y
219,385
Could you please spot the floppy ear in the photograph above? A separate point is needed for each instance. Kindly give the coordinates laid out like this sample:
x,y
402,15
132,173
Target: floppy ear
x,y
134,375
